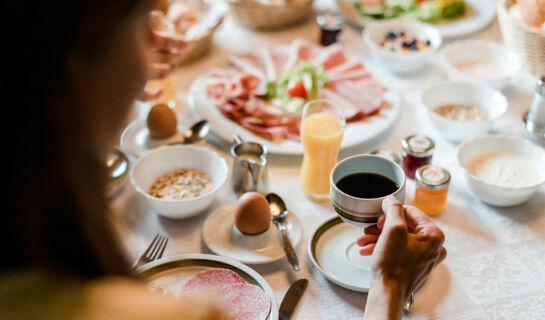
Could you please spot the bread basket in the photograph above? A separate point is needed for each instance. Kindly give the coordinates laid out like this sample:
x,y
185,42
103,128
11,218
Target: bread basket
x,y
526,41
259,15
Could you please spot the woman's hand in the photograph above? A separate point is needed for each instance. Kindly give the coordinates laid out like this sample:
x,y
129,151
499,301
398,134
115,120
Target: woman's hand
x,y
406,246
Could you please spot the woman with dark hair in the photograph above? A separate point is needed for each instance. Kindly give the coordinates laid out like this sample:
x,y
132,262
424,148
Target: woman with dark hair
x,y
72,70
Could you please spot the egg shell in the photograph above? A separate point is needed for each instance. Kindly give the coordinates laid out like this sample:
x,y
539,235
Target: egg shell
x,y
252,214
161,122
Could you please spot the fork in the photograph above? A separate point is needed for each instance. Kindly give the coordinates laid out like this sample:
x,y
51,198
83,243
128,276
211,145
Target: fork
x,y
153,252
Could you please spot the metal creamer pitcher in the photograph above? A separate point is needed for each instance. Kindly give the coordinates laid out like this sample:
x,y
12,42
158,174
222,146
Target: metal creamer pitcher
x,y
250,167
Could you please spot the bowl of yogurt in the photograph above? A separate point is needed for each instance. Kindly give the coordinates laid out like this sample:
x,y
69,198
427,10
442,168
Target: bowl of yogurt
x,y
501,170
480,61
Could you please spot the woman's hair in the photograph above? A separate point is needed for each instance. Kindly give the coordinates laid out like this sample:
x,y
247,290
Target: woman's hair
x,y
55,214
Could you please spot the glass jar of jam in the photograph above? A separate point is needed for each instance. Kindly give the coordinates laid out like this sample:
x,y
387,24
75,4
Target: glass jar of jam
x,y
331,26
431,189
417,152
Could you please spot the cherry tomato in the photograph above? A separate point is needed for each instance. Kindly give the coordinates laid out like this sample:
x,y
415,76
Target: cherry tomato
x,y
296,89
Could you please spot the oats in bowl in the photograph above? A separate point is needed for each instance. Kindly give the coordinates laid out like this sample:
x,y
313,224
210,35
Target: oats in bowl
x,y
181,184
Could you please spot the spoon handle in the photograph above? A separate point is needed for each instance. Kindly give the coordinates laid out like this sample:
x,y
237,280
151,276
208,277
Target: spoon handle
x,y
288,248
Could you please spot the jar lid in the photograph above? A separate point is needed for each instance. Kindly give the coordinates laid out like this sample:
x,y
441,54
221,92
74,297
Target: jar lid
x,y
418,145
387,154
330,21
433,177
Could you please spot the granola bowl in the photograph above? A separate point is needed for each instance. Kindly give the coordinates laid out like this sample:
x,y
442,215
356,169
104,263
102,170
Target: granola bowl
x,y
162,160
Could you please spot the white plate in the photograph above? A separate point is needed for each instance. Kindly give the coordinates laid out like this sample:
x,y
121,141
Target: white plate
x,y
137,141
333,250
171,273
354,134
221,238
482,12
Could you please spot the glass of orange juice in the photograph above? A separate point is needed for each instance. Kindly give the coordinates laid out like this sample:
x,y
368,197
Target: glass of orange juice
x,y
322,128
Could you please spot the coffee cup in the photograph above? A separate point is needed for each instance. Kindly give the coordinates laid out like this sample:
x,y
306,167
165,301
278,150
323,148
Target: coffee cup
x,y
361,207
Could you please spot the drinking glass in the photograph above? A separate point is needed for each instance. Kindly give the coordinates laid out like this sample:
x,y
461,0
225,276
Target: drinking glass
x,y
322,128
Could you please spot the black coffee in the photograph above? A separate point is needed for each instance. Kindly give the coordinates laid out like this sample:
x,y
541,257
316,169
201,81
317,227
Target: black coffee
x,y
367,185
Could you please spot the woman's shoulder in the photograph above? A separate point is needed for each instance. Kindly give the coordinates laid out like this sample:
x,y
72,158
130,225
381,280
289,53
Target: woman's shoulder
x,y
31,294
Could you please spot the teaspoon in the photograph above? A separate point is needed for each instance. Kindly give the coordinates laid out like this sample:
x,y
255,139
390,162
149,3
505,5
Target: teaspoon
x,y
279,214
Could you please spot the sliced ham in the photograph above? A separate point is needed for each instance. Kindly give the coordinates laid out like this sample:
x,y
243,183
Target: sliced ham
x,y
301,50
354,75
211,280
352,112
330,57
345,67
244,302
368,96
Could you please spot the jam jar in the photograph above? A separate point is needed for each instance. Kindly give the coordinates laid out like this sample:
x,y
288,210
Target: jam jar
x,y
331,26
417,152
431,189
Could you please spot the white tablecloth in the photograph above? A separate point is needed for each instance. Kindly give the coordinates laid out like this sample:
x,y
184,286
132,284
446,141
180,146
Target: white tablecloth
x,y
495,267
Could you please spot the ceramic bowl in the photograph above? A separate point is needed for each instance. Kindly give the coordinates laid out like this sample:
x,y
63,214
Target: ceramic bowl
x,y
401,62
362,212
168,158
493,194
453,92
480,51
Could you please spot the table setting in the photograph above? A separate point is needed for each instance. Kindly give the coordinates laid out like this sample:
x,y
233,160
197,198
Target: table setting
x,y
272,148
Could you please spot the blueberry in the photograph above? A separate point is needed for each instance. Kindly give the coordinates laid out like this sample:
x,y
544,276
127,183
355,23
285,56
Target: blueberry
x,y
428,42
400,33
390,35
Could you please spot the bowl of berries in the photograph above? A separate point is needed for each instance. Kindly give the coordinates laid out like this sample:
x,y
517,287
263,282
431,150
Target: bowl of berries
x,y
402,46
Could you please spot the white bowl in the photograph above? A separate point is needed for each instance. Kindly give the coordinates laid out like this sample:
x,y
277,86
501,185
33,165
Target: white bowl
x,y
493,194
452,92
481,51
401,61
168,158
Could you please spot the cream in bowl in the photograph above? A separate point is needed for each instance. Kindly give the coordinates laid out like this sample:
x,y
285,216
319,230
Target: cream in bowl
x,y
502,171
179,181
461,111
402,46
480,61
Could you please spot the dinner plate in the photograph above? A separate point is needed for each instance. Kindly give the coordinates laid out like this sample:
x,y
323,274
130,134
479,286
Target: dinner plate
x,y
355,133
480,14
222,238
170,274
333,250
137,141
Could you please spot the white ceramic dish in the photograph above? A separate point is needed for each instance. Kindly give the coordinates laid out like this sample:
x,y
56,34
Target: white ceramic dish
x,y
357,211
333,251
355,133
496,195
452,92
480,14
401,61
480,51
168,158
136,140
171,274
223,239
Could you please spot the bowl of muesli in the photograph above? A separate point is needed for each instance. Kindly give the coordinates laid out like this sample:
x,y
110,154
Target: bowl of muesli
x,y
179,181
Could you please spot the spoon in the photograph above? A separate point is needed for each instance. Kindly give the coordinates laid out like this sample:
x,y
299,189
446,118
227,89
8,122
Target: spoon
x,y
197,132
117,167
279,214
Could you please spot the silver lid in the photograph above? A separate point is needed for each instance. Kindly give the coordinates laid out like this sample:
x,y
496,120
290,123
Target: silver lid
x,y
418,145
433,177
329,20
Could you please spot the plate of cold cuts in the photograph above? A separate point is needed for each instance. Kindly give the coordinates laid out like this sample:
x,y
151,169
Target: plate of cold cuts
x,y
239,291
261,95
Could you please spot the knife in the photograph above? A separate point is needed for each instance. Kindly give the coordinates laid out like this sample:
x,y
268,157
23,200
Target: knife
x,y
292,298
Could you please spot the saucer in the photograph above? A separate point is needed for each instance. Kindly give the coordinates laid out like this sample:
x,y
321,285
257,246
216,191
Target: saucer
x,y
334,252
222,238
137,141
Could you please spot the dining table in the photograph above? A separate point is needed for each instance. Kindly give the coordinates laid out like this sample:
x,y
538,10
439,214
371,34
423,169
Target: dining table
x,y
495,267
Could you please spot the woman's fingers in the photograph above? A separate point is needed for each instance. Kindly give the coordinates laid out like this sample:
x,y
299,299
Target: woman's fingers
x,y
368,249
166,41
160,70
374,229
417,220
395,217
367,239
167,57
147,96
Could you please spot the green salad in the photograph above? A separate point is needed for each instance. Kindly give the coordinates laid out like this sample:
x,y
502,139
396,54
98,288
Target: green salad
x,y
425,10
297,86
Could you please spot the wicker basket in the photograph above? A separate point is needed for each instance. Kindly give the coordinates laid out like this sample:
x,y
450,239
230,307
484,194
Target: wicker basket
x,y
196,48
526,41
257,15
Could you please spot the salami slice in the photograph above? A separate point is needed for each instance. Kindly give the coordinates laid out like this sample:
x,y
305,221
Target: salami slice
x,y
211,281
245,302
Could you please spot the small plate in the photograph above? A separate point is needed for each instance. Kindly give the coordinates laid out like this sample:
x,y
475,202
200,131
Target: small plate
x,y
171,273
333,250
221,238
137,141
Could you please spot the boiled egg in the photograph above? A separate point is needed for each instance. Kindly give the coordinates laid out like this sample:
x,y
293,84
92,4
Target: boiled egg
x,y
252,214
161,122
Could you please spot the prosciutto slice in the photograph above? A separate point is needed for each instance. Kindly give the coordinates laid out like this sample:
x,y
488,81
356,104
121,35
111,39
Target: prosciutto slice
x,y
238,89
